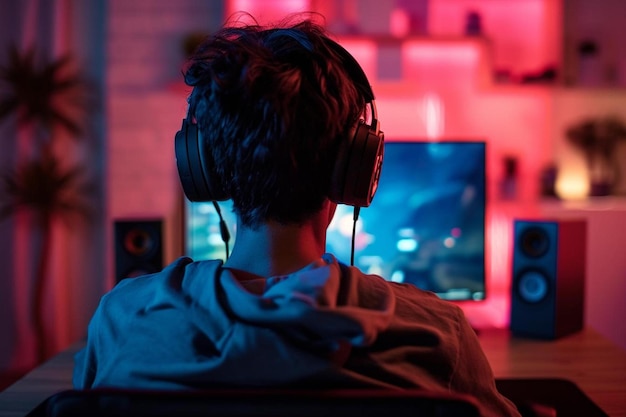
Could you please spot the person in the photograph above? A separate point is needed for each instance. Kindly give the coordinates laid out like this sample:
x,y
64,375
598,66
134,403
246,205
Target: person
x,y
273,115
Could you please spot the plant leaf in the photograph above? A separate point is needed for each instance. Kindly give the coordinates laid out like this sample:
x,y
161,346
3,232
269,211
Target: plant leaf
x,y
42,94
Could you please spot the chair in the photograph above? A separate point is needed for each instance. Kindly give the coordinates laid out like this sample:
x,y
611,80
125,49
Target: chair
x,y
256,403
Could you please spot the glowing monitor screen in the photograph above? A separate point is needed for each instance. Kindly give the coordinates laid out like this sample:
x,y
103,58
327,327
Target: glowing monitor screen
x,y
425,227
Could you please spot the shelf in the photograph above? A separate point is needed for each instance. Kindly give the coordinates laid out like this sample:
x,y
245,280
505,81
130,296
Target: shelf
x,y
612,203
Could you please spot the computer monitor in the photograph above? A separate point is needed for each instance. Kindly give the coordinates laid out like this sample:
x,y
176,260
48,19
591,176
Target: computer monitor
x,y
425,226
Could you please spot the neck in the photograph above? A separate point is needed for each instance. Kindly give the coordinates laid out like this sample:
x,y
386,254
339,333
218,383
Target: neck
x,y
277,249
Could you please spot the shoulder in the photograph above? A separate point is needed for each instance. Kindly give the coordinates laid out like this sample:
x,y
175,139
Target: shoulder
x,y
411,303
147,281
138,292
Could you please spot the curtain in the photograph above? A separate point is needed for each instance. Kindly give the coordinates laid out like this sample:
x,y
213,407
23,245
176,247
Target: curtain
x,y
75,271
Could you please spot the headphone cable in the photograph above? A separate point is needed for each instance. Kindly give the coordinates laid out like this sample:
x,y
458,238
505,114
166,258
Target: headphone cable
x,y
223,228
355,218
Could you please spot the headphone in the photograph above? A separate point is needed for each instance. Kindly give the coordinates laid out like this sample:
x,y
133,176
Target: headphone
x,y
356,172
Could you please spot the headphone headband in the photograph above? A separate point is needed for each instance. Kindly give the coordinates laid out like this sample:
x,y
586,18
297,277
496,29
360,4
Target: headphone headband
x,y
355,174
354,70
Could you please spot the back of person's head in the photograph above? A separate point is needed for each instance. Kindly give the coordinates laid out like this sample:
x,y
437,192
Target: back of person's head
x,y
273,105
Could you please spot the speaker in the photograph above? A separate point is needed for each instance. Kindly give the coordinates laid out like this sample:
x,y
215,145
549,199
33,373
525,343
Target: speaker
x,y
138,247
547,292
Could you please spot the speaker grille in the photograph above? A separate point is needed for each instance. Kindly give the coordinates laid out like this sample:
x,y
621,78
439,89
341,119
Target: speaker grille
x,y
532,286
534,242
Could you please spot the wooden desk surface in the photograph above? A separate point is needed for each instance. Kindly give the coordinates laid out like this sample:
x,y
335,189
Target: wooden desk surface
x,y
53,376
595,364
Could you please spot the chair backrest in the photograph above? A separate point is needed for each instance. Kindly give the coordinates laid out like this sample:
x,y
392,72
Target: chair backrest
x,y
256,403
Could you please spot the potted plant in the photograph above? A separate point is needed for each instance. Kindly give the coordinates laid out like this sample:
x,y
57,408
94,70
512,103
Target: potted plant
x,y
598,139
47,99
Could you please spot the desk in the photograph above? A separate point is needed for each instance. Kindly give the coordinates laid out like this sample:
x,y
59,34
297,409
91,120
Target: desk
x,y
591,361
596,365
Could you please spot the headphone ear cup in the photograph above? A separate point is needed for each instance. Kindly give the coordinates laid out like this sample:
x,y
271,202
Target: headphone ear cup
x,y
197,176
357,171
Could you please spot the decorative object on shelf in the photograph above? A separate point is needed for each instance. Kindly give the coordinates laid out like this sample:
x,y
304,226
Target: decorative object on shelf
x,y
547,75
49,103
590,72
409,18
473,23
508,184
547,180
598,138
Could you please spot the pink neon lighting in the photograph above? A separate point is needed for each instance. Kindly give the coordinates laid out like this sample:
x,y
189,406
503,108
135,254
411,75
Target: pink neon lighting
x,y
442,65
434,116
524,35
399,23
268,10
451,53
499,236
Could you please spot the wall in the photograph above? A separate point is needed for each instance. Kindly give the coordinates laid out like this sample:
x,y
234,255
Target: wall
x,y
605,284
601,22
146,104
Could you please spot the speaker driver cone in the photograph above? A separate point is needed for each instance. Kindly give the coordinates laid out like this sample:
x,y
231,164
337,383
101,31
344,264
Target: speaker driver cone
x,y
534,242
532,286
139,242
